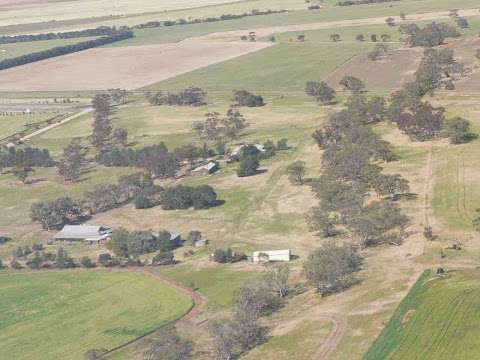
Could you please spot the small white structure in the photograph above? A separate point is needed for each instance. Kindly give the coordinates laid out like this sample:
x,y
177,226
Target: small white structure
x,y
237,149
91,234
272,255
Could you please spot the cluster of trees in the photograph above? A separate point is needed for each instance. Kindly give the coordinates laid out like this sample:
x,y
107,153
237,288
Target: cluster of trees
x,y
132,244
73,161
220,130
157,160
380,51
246,98
167,345
224,256
417,118
185,197
66,49
28,157
249,156
353,84
331,268
433,34
238,334
351,162
192,96
321,91
362,2
167,23
99,31
57,213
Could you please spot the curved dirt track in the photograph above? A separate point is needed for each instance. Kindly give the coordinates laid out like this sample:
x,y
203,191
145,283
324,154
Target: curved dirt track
x,y
339,328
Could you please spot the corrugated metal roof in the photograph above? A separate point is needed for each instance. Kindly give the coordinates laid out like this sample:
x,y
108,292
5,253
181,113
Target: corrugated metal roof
x,y
208,166
81,232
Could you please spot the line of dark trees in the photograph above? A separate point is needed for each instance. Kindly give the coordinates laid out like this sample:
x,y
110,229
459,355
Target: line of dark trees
x,y
99,31
28,157
362,2
37,258
167,23
63,50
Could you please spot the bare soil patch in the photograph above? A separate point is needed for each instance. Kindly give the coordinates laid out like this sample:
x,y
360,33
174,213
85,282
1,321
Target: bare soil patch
x,y
128,67
388,73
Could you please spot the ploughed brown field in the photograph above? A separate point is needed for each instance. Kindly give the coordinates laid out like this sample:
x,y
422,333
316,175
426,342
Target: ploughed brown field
x,y
129,67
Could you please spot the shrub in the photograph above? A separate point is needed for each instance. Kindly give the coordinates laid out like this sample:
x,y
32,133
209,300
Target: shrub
x,y
245,98
248,167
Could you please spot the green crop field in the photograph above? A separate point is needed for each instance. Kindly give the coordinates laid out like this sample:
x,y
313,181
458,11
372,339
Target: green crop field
x,y
60,315
284,67
437,320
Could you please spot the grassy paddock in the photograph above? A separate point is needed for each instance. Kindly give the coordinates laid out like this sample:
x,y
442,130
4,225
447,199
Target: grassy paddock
x,y
64,314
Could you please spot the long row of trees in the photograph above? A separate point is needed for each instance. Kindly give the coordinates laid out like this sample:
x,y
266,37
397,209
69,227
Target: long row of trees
x,y
63,50
351,161
28,157
167,23
99,31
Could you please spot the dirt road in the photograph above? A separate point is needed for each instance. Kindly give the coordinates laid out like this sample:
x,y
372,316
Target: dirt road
x,y
52,126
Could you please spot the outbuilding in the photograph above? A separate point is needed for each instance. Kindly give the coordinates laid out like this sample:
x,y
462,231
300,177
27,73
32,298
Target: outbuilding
x,y
206,169
175,239
92,234
272,255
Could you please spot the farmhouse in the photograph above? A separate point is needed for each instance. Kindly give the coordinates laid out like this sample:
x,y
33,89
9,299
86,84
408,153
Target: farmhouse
x,y
272,255
92,234
206,169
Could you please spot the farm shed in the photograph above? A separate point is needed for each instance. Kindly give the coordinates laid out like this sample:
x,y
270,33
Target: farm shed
x,y
175,239
206,169
92,234
272,255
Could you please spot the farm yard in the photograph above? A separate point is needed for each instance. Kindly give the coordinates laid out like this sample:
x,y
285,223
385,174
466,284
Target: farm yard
x,y
204,146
